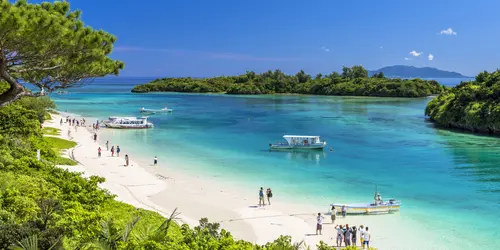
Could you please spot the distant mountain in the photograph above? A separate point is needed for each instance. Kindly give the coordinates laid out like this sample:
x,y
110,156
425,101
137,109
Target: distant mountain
x,y
403,71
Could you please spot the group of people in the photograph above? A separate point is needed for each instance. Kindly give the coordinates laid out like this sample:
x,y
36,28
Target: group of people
x,y
348,235
268,194
112,151
344,233
73,122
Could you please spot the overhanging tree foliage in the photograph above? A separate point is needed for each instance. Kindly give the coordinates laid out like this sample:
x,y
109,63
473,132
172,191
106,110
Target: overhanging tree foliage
x,y
47,45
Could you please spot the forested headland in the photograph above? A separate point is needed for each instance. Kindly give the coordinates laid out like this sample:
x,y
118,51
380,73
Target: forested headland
x,y
352,81
472,105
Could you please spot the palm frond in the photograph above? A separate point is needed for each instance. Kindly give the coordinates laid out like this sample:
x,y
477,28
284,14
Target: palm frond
x,y
28,243
128,228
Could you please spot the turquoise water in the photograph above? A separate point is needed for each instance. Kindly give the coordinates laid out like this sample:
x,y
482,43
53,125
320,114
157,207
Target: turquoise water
x,y
448,181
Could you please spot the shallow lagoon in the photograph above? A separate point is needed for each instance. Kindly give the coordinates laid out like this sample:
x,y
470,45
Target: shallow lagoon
x,y
449,182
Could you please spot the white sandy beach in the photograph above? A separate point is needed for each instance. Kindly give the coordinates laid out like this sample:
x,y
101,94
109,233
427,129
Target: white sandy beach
x,y
164,189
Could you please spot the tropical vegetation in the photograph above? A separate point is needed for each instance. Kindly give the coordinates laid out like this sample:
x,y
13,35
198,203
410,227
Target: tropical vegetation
x,y
48,47
43,206
472,105
352,81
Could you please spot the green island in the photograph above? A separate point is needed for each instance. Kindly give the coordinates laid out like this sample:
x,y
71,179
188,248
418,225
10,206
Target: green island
x,y
352,81
43,206
472,105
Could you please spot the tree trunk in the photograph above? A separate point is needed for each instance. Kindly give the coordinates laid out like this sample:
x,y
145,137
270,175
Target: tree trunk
x,y
15,91
12,95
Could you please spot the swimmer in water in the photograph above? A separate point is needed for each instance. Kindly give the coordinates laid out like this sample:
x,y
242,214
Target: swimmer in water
x,y
331,149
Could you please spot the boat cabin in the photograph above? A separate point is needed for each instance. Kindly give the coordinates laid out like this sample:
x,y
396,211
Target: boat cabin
x,y
302,139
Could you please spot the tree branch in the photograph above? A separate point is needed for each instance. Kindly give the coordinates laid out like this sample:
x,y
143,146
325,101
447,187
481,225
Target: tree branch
x,y
35,68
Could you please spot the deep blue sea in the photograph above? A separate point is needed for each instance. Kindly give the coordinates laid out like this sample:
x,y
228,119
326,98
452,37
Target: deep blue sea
x,y
449,181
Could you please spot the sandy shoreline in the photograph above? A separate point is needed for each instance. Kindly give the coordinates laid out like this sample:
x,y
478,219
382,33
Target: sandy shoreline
x,y
164,189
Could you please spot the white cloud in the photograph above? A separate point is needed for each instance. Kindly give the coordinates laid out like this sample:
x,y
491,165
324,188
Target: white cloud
x,y
407,59
448,32
415,53
325,49
430,57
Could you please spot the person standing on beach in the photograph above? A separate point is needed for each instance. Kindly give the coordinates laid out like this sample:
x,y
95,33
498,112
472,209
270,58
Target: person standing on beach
x,y
340,235
107,145
319,224
261,197
269,195
95,137
347,236
361,234
118,151
334,214
354,231
344,211
126,160
112,151
99,152
366,238
155,161
61,122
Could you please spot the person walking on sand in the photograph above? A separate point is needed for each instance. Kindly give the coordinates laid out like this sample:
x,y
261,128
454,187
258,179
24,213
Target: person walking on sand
x,y
261,197
155,161
95,137
107,145
334,214
269,195
61,122
319,224
99,152
340,235
112,151
344,211
126,160
118,151
366,238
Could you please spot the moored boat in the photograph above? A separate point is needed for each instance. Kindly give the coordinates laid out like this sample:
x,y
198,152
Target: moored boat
x,y
299,142
128,122
379,206
154,111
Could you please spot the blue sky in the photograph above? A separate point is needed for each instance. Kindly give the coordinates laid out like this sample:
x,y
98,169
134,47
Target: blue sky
x,y
222,37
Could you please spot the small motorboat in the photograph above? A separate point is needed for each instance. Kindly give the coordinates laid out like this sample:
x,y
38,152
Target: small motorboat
x,y
299,142
154,111
379,206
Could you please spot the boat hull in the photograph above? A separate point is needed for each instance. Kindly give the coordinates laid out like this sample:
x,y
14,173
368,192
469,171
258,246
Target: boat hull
x,y
357,209
297,147
121,126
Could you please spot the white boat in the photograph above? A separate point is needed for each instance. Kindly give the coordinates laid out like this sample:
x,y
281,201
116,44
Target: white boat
x,y
128,122
154,111
299,142
378,206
